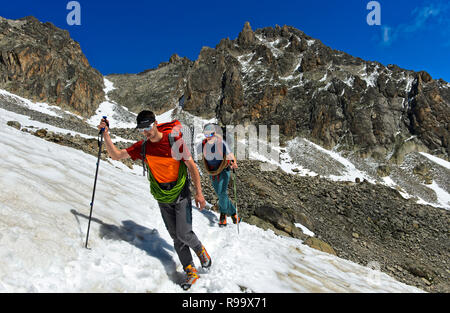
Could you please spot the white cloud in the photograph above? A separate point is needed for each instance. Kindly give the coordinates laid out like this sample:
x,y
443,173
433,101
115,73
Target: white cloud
x,y
386,34
434,15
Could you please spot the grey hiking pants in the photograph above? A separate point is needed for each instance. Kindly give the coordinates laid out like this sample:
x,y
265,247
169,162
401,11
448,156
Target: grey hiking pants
x,y
177,217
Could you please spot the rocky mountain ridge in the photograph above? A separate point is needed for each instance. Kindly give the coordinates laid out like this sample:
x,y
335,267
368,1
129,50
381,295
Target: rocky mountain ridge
x,y
281,76
41,62
155,89
270,76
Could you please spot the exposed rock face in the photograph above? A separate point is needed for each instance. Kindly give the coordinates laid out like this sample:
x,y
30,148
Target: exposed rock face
x,y
429,113
282,76
41,62
272,76
319,245
247,36
156,89
206,83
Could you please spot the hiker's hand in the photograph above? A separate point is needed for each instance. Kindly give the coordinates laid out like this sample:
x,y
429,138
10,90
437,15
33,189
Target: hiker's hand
x,y
200,201
233,164
104,123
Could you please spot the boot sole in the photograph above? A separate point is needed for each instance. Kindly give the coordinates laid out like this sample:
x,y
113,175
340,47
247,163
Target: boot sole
x,y
187,286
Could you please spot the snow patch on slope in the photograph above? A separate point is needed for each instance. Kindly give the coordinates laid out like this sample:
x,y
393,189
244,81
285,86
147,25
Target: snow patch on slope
x,y
45,108
44,207
118,115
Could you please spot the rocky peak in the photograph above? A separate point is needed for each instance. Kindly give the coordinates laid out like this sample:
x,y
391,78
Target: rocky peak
x,y
246,36
157,89
175,58
41,62
280,75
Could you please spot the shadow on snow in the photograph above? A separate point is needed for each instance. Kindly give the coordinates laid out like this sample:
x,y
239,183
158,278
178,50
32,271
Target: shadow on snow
x,y
141,237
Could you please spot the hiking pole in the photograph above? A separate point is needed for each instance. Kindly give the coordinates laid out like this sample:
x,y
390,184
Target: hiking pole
x,y
235,200
100,142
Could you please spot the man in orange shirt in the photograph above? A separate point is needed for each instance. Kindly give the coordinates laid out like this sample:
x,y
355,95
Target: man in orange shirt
x,y
172,192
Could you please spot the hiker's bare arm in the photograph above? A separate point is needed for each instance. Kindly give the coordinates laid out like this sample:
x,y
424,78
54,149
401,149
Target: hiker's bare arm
x,y
195,175
199,199
112,150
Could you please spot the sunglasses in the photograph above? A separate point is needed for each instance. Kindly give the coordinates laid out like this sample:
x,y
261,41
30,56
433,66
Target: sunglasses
x,y
209,135
146,128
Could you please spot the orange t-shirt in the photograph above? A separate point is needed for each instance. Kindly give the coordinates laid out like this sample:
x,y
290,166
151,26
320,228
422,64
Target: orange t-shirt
x,y
165,170
159,157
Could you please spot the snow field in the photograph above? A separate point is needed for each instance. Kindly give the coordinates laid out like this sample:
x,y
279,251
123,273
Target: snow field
x,y
44,207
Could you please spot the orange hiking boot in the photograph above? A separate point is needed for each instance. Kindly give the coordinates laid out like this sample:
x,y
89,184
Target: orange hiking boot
x,y
235,219
222,220
191,277
204,257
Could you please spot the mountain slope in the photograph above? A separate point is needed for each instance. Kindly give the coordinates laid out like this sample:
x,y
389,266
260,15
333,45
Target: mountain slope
x,y
44,204
156,89
385,223
272,76
281,76
41,62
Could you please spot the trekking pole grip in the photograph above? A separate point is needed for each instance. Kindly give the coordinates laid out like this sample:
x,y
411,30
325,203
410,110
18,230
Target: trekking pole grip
x,y
107,124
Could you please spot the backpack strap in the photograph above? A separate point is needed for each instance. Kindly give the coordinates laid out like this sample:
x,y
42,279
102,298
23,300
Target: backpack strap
x,y
143,155
171,140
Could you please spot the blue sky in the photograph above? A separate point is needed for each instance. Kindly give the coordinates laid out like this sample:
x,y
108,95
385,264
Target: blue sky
x,y
134,35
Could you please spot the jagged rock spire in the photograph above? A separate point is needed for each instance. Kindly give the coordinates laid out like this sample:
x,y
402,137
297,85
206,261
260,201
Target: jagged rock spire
x,y
246,36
